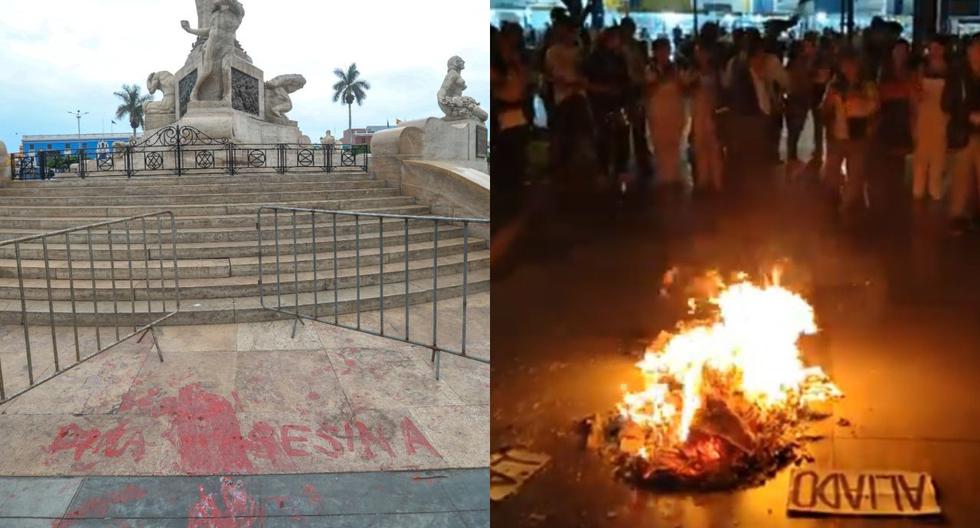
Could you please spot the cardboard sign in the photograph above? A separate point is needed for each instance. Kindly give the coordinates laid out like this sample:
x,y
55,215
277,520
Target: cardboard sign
x,y
839,492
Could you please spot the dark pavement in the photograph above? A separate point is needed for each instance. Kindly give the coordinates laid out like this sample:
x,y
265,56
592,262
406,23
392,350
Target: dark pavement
x,y
432,499
897,300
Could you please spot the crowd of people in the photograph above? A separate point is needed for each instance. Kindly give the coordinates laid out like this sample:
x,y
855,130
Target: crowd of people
x,y
628,114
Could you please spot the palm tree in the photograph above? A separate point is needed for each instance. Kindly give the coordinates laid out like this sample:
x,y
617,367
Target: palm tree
x,y
350,89
132,105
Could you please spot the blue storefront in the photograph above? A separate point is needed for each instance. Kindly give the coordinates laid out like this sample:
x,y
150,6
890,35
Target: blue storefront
x,y
70,143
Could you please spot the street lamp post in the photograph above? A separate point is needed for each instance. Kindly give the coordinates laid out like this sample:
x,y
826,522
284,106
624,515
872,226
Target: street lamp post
x,y
78,115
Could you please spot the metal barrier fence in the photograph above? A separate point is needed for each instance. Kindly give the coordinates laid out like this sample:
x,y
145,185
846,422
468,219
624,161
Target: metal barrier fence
x,y
310,306
186,150
40,268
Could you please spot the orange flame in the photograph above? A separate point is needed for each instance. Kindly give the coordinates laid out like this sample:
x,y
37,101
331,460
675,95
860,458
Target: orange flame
x,y
753,340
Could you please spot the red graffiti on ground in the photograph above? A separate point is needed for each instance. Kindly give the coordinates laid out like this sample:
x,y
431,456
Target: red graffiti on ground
x,y
238,509
207,434
312,494
99,507
203,427
74,437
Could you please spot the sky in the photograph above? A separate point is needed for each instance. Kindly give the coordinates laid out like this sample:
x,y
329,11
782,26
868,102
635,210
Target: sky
x,y
58,56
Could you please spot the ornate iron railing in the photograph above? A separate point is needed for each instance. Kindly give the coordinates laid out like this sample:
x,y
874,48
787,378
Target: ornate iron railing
x,y
179,150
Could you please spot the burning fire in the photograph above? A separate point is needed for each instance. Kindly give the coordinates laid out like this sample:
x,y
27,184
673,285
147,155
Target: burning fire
x,y
734,383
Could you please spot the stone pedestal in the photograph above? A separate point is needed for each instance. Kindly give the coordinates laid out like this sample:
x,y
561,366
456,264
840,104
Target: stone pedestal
x,y
155,121
247,84
220,121
462,142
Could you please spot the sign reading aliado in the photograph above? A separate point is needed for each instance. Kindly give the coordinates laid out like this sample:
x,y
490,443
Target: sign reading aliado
x,y
839,492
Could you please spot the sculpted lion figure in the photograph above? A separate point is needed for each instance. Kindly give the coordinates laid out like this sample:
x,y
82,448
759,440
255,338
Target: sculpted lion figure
x,y
277,100
161,81
451,99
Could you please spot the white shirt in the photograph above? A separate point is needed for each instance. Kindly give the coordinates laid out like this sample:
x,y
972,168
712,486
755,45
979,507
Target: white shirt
x,y
761,92
563,63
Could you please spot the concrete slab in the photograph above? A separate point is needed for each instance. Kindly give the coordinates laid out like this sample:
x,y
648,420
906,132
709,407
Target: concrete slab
x,y
384,379
302,382
36,497
197,338
460,433
209,411
277,335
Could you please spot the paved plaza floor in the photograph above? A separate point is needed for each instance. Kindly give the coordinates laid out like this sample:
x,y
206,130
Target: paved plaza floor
x,y
898,303
249,402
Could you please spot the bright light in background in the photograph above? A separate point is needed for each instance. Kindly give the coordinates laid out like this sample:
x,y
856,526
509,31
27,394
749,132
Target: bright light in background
x,y
59,54
821,17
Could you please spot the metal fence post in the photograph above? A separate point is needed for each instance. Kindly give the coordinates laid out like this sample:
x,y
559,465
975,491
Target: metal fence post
x,y
179,160
44,305
81,162
128,153
42,157
230,149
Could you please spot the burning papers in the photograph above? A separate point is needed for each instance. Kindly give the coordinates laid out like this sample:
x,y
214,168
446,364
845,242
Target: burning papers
x,y
726,399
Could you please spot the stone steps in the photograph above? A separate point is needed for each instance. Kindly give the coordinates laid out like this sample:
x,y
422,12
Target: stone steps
x,y
237,286
39,224
306,175
217,248
360,191
351,181
234,267
324,228
240,309
355,204
226,249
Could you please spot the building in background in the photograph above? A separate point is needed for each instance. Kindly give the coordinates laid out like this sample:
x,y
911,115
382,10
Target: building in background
x,y
362,136
70,143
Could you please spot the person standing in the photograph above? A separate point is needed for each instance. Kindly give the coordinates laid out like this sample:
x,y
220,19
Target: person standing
x,y
637,57
799,100
929,157
572,130
897,86
609,81
508,82
849,107
705,97
750,103
665,114
961,100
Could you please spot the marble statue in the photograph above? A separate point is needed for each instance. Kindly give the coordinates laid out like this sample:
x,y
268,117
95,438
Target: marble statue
x,y
277,100
328,139
451,100
204,8
223,22
164,82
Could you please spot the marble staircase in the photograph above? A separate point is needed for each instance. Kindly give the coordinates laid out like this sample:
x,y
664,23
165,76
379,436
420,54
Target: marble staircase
x,y
217,249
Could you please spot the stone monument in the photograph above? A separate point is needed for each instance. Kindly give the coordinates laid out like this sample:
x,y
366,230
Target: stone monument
x,y
328,140
442,161
450,97
218,90
459,137
158,114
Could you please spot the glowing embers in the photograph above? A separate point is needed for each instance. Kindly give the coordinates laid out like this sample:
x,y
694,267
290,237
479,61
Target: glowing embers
x,y
726,399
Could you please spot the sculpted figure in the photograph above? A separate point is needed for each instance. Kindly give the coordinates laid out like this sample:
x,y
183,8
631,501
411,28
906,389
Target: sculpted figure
x,y
451,99
224,20
328,139
277,101
164,82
